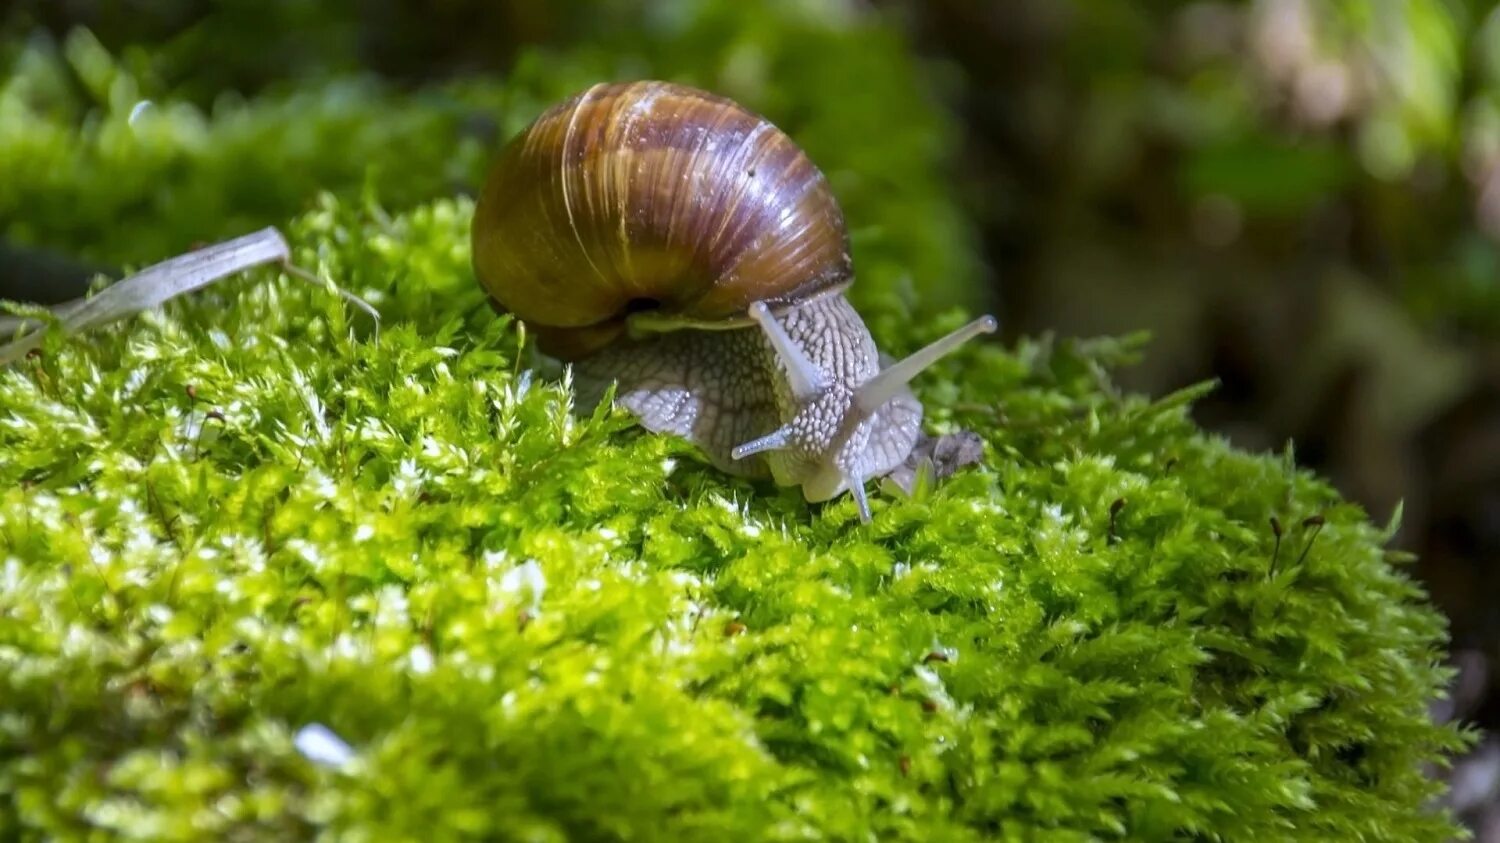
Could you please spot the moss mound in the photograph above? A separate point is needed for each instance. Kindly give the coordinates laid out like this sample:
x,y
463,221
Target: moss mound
x,y
227,523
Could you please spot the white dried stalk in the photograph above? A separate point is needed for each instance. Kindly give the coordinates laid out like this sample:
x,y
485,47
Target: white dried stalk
x,y
159,283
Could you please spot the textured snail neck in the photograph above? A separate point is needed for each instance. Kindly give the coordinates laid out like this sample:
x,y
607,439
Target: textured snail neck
x,y
829,444
804,394
722,389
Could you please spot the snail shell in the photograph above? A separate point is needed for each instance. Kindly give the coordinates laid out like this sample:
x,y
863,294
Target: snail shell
x,y
652,197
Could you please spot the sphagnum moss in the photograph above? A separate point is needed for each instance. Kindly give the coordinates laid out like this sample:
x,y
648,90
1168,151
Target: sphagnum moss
x,y
242,518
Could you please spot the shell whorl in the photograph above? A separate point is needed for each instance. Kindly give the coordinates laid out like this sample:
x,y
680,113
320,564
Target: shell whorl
x,y
651,195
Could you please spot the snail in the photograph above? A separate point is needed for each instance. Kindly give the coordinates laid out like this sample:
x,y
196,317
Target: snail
x,y
673,242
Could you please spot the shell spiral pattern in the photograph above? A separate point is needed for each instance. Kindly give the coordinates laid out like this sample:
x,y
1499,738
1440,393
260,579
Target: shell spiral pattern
x,y
651,196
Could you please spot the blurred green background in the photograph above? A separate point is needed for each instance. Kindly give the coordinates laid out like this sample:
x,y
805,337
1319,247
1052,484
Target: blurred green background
x,y
1299,198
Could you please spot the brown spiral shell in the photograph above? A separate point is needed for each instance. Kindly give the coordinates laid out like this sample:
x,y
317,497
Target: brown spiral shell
x,y
651,196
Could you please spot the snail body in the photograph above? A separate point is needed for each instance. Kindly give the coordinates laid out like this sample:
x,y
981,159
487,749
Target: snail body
x,y
673,242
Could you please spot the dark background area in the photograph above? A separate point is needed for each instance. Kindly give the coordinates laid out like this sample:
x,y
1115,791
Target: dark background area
x,y
1298,198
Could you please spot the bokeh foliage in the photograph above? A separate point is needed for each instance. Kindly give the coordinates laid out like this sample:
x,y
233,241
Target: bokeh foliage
x,y
1354,131
127,160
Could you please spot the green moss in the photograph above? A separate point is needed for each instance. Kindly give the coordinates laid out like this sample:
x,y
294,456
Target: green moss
x,y
226,522
536,626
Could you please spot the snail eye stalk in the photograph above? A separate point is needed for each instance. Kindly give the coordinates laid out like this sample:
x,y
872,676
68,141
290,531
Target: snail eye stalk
x,y
857,489
804,378
884,386
773,441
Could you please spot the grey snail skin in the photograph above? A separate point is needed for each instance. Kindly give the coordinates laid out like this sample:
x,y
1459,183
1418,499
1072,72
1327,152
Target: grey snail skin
x,y
682,247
